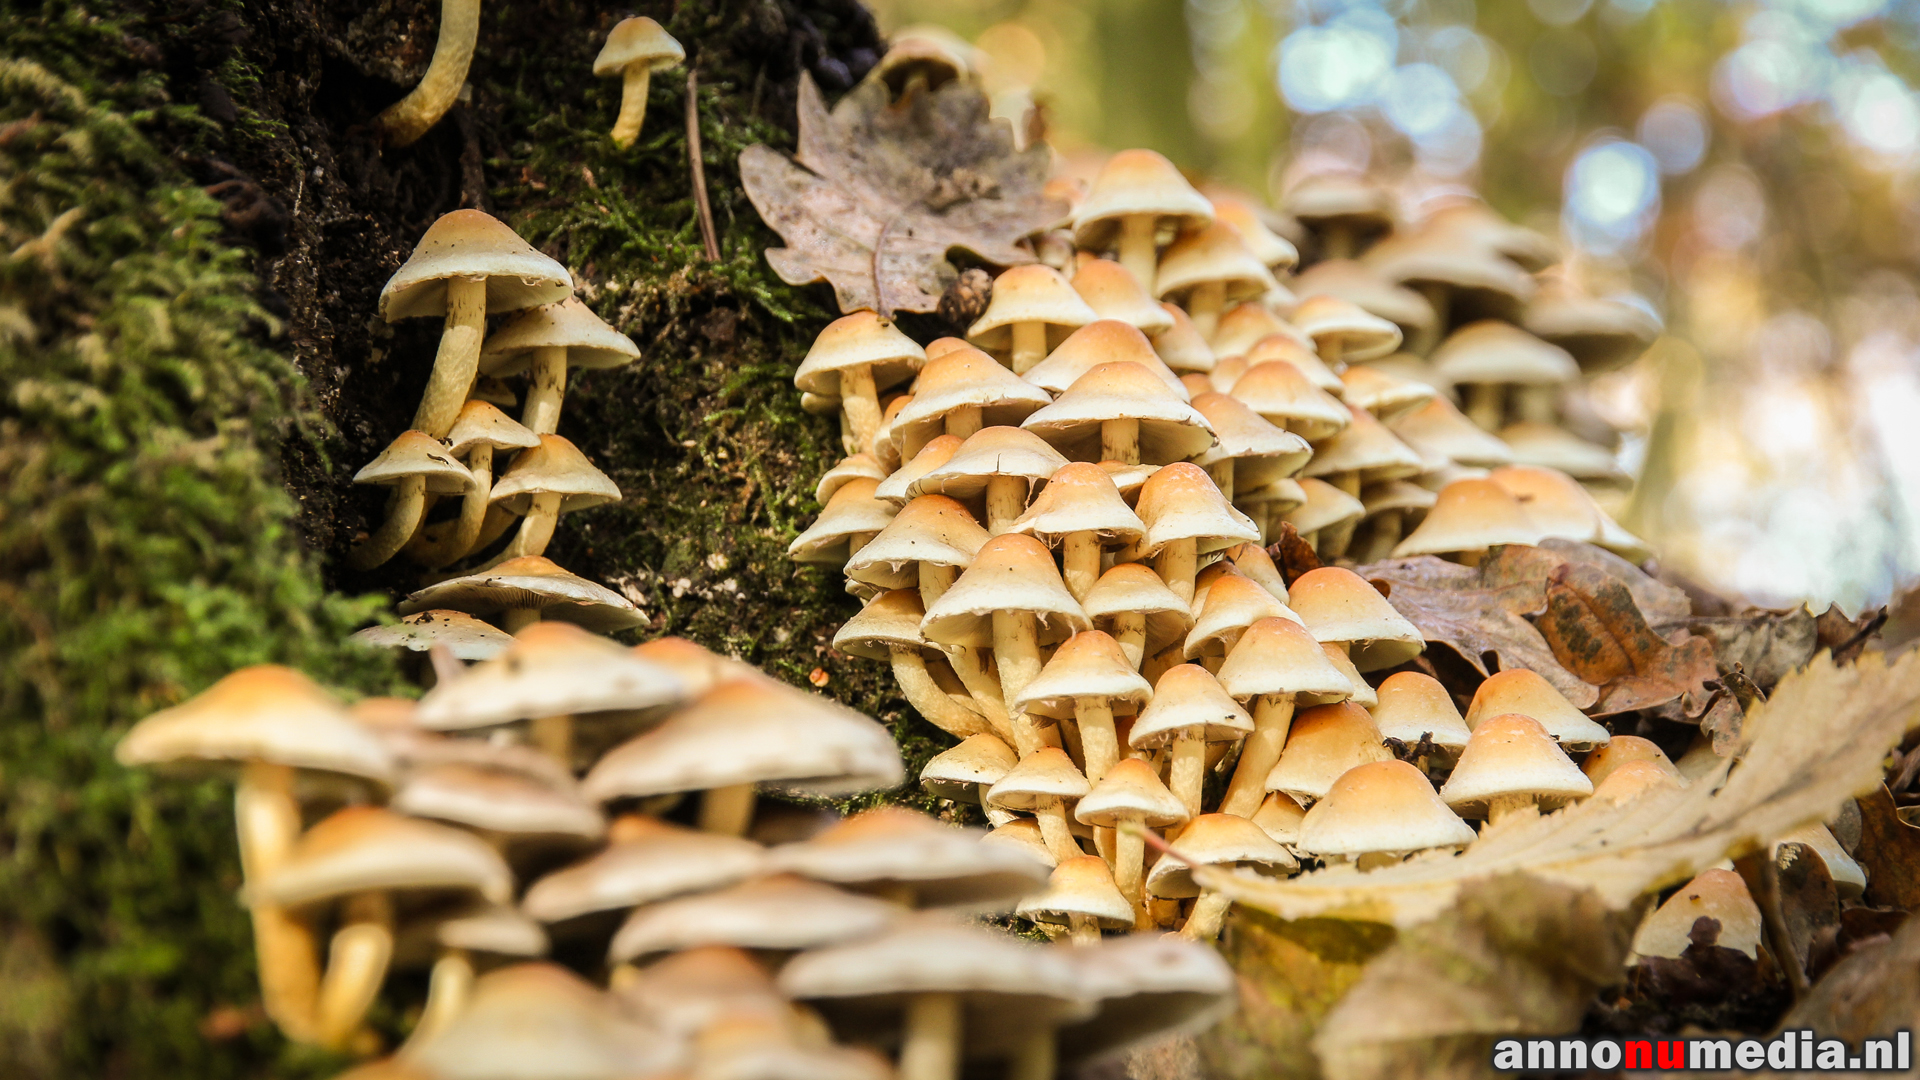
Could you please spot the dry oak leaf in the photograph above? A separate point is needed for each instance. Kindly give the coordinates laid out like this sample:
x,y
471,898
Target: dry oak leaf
x,y
1766,644
1657,600
1476,610
878,193
1598,632
1823,736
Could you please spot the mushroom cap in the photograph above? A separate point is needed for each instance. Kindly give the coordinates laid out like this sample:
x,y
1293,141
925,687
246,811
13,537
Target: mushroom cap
x,y
1087,665
757,1046
1134,589
937,452
1128,478
1396,495
494,929
1130,790
1035,293
1181,502
1080,498
638,40
752,731
1113,292
1381,806
569,324
1470,515
1327,198
1622,750
1217,840
1491,351
1273,251
1437,428
466,636
1714,894
969,378
1325,506
1518,690
1632,779
472,244
530,581
931,529
555,467
1323,743
1181,346
887,441
687,992
1246,324
1080,886
782,912
1023,833
416,453
978,759
1252,560
1335,323
1512,755
1366,447
860,466
1471,221
1413,704
1286,493
367,849
891,620
1281,394
1480,281
1553,447
414,747
1104,341
1261,450
1297,349
853,509
986,454
1383,394
1148,985
648,861
1848,877
1132,183
1280,817
1353,281
940,347
1010,573
1234,604
261,713
1360,692
539,1021
1279,656
1188,701
481,424
1047,773
946,866
498,800
1339,605
493,391
551,669
1559,506
926,51
1214,254
700,669
1600,332
864,337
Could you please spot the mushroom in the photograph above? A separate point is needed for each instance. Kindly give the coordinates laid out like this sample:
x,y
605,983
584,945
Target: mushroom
x,y
1284,397
1364,452
915,860
1376,813
1510,764
1462,281
888,629
751,1046
1280,817
1003,464
1344,332
1085,677
1518,690
1469,516
1219,840
1150,987
1033,308
1186,517
1621,750
1325,510
1106,341
1252,452
1361,692
1113,292
544,343
1128,800
403,122
1080,511
1414,706
937,452
522,591
1189,710
1489,357
465,268
1136,195
1601,332
1267,505
1143,615
1232,603
466,637
1390,506
1275,252
854,516
860,466
1181,347
1204,269
855,358
1549,446
448,942
779,913
961,392
689,991
412,465
963,773
1385,395
1135,417
1343,210
1081,894
1437,429
1714,894
1244,328
1343,608
539,1019
1325,741
886,446
1357,283
545,482
1632,780
1560,507
1042,783
477,434
1849,878
646,861
1275,660
635,49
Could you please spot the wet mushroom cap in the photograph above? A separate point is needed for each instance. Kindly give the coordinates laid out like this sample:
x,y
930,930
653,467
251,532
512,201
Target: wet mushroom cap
x,y
1324,742
1512,755
1519,690
1382,806
1080,886
1130,790
367,849
472,244
467,637
1339,605
261,713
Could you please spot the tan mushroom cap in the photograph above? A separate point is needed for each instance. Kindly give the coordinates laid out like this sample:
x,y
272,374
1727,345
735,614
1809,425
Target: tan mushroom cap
x,y
499,801
1326,198
1382,806
1022,833
891,620
1849,879
1365,447
854,509
367,849
968,378
1035,293
1080,886
945,866
754,1046
1487,280
530,581
1470,515
1396,495
1552,447
494,929
1340,606
1131,789
1279,497
1188,700
699,668
1181,346
687,992
925,51
1273,251
569,324
1632,779
1325,506
1622,750
1324,742
649,860
555,467
1280,393
1047,773
1297,349
1181,502
863,337
417,454
472,244
1438,428
1134,589
1114,293
1342,326
480,424
1128,478
1214,254
1352,281
1601,333
752,731
1234,604
1105,341
1280,817
860,466
1360,692
781,912
262,713
467,637
1150,987
1080,498
937,452
1279,656
1087,665
1245,325
1519,690
1559,506
1512,755
1011,572
1218,840
1473,222
1714,894
1491,351
1262,451
956,772
1252,560
1137,182
1385,395
1412,705
541,1020
638,40
551,669
988,453
932,529
887,442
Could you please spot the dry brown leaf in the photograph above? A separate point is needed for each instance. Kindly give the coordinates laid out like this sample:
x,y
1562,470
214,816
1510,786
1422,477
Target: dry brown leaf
x,y
881,192
1889,850
1766,644
1480,610
1823,736
1872,993
1657,600
1597,631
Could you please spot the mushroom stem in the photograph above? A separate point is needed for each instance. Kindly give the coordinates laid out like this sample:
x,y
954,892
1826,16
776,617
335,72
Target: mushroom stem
x,y
1188,773
961,423
1036,1058
1051,814
267,819
1016,649
1130,631
1272,717
447,991
1006,500
546,387
1540,404
1442,300
457,537
514,620
1120,441
498,520
925,695
1029,346
978,677
1138,251
1080,562
356,966
1334,539
458,361
554,736
1098,738
634,83
1486,404
1387,528
406,120
1176,564
1129,860
727,810
1204,304
536,529
1337,242
1221,472
1085,931
930,1043
861,401
1208,915
405,508
1500,807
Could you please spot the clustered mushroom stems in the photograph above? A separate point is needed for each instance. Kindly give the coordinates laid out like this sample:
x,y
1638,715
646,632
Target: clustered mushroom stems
x,y
546,388
457,363
861,403
406,120
922,690
460,535
357,962
1080,557
1187,768
1272,718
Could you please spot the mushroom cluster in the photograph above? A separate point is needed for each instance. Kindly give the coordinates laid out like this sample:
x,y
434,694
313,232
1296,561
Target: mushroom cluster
x,y
569,839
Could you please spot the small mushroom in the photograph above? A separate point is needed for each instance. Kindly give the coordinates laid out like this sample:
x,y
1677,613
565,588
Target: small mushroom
x,y
1232,603
1344,210
779,913
539,1019
1186,516
545,482
1391,507
1414,706
1252,452
1385,395
1206,268
448,941
1325,742
1283,395
915,860
519,592
1621,750
1042,784
480,431
963,773
1105,341
1437,429
1344,332
1323,511
1189,710
1113,292
1003,465
1033,308
937,452
1080,511
1518,690
1081,894
1131,603
1217,840
855,358
888,629
958,393
1136,195
1343,608
1492,359
1083,680
1129,800
466,637
1714,894
544,343
413,465
1378,812
403,122
1128,413
635,49
1510,764
1181,346
1275,661
1360,284
851,518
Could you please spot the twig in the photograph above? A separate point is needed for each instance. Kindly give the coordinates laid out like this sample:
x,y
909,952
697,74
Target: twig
x,y
708,236
1156,843
1763,882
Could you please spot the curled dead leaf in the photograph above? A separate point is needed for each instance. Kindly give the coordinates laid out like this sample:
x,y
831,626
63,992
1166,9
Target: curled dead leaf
x,y
1597,631
1889,851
